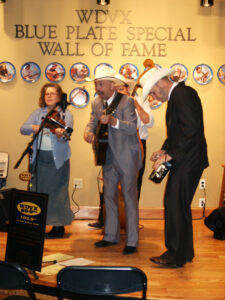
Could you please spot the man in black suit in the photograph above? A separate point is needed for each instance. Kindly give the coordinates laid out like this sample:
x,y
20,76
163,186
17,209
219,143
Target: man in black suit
x,y
185,147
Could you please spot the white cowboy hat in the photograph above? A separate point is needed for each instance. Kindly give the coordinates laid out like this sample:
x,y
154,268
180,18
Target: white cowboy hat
x,y
151,77
104,72
125,81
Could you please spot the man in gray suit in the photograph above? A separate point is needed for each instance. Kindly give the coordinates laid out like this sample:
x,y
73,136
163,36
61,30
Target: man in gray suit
x,y
123,158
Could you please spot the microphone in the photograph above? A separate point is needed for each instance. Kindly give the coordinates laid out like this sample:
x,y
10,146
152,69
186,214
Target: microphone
x,y
63,103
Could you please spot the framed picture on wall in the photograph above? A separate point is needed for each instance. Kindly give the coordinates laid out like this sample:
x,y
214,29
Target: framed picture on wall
x,y
79,72
102,64
221,74
202,74
7,71
154,104
158,66
129,71
180,74
55,72
30,72
79,98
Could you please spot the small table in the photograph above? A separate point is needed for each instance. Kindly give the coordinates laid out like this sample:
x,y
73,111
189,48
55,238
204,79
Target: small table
x,y
222,192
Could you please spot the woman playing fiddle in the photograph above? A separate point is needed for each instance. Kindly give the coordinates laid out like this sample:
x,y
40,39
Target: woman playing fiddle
x,y
50,159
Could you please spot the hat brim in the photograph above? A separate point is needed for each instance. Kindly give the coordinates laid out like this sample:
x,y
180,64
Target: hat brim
x,y
153,79
125,81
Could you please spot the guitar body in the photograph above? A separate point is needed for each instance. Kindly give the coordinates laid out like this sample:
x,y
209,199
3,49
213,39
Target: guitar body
x,y
100,144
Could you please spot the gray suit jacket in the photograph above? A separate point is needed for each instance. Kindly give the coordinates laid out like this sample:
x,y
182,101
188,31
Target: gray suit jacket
x,y
123,142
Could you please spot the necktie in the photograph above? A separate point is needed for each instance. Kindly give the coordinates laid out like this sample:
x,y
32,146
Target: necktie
x,y
105,104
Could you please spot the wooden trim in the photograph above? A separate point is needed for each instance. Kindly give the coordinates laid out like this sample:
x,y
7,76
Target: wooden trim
x,y
222,192
91,213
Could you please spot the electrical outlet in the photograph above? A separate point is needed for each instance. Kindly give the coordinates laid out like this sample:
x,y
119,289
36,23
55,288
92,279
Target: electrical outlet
x,y
202,184
201,202
78,183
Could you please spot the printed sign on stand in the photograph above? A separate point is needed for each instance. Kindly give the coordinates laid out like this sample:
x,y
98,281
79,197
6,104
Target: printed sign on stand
x,y
27,220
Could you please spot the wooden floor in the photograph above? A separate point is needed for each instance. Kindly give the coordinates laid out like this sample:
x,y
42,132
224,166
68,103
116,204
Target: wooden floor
x,y
203,279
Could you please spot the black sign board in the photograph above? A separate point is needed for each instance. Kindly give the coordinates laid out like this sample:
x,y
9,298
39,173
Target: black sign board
x,y
27,220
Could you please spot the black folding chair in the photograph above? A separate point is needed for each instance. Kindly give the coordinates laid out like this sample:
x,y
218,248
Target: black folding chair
x,y
100,282
14,277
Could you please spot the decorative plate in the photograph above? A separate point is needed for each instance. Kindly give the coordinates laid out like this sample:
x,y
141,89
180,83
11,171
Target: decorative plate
x,y
79,98
55,72
158,66
78,72
129,71
221,74
104,64
202,74
7,71
181,73
30,72
154,104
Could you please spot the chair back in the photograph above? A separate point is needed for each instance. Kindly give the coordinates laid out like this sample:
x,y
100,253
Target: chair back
x,y
101,281
13,276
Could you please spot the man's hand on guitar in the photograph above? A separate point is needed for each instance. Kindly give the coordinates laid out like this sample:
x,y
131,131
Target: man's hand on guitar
x,y
105,119
88,137
108,119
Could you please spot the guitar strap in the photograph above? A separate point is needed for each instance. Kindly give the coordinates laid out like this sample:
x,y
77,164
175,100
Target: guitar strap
x,y
100,143
114,104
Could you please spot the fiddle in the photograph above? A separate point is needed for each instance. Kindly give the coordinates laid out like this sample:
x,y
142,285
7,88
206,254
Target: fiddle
x,y
54,121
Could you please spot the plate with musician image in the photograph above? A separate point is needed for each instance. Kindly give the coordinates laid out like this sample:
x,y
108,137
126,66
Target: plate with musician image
x,y
7,71
221,74
79,72
158,66
79,98
30,72
180,74
154,103
202,74
129,71
55,72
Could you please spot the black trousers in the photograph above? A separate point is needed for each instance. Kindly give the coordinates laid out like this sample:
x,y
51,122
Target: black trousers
x,y
179,193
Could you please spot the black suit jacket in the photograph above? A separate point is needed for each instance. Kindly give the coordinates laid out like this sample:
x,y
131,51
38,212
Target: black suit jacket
x,y
185,129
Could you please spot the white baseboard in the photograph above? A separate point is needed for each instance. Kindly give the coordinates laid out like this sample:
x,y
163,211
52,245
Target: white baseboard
x,y
91,213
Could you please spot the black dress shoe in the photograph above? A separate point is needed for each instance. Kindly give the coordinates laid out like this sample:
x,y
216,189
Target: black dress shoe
x,y
97,225
129,250
4,228
190,259
165,262
103,243
56,232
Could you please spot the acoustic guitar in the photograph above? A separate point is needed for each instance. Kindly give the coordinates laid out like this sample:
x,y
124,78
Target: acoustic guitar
x,y
100,143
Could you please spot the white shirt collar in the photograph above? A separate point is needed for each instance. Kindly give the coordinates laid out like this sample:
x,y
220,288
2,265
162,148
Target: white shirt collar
x,y
172,87
109,101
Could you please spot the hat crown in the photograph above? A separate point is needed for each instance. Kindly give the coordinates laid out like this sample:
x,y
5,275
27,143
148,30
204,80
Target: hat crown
x,y
151,77
146,75
104,71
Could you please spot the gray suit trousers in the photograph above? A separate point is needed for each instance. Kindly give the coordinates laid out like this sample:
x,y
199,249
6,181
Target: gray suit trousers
x,y
112,176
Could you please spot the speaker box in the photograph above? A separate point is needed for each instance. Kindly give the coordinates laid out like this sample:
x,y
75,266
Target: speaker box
x,y
216,222
5,202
